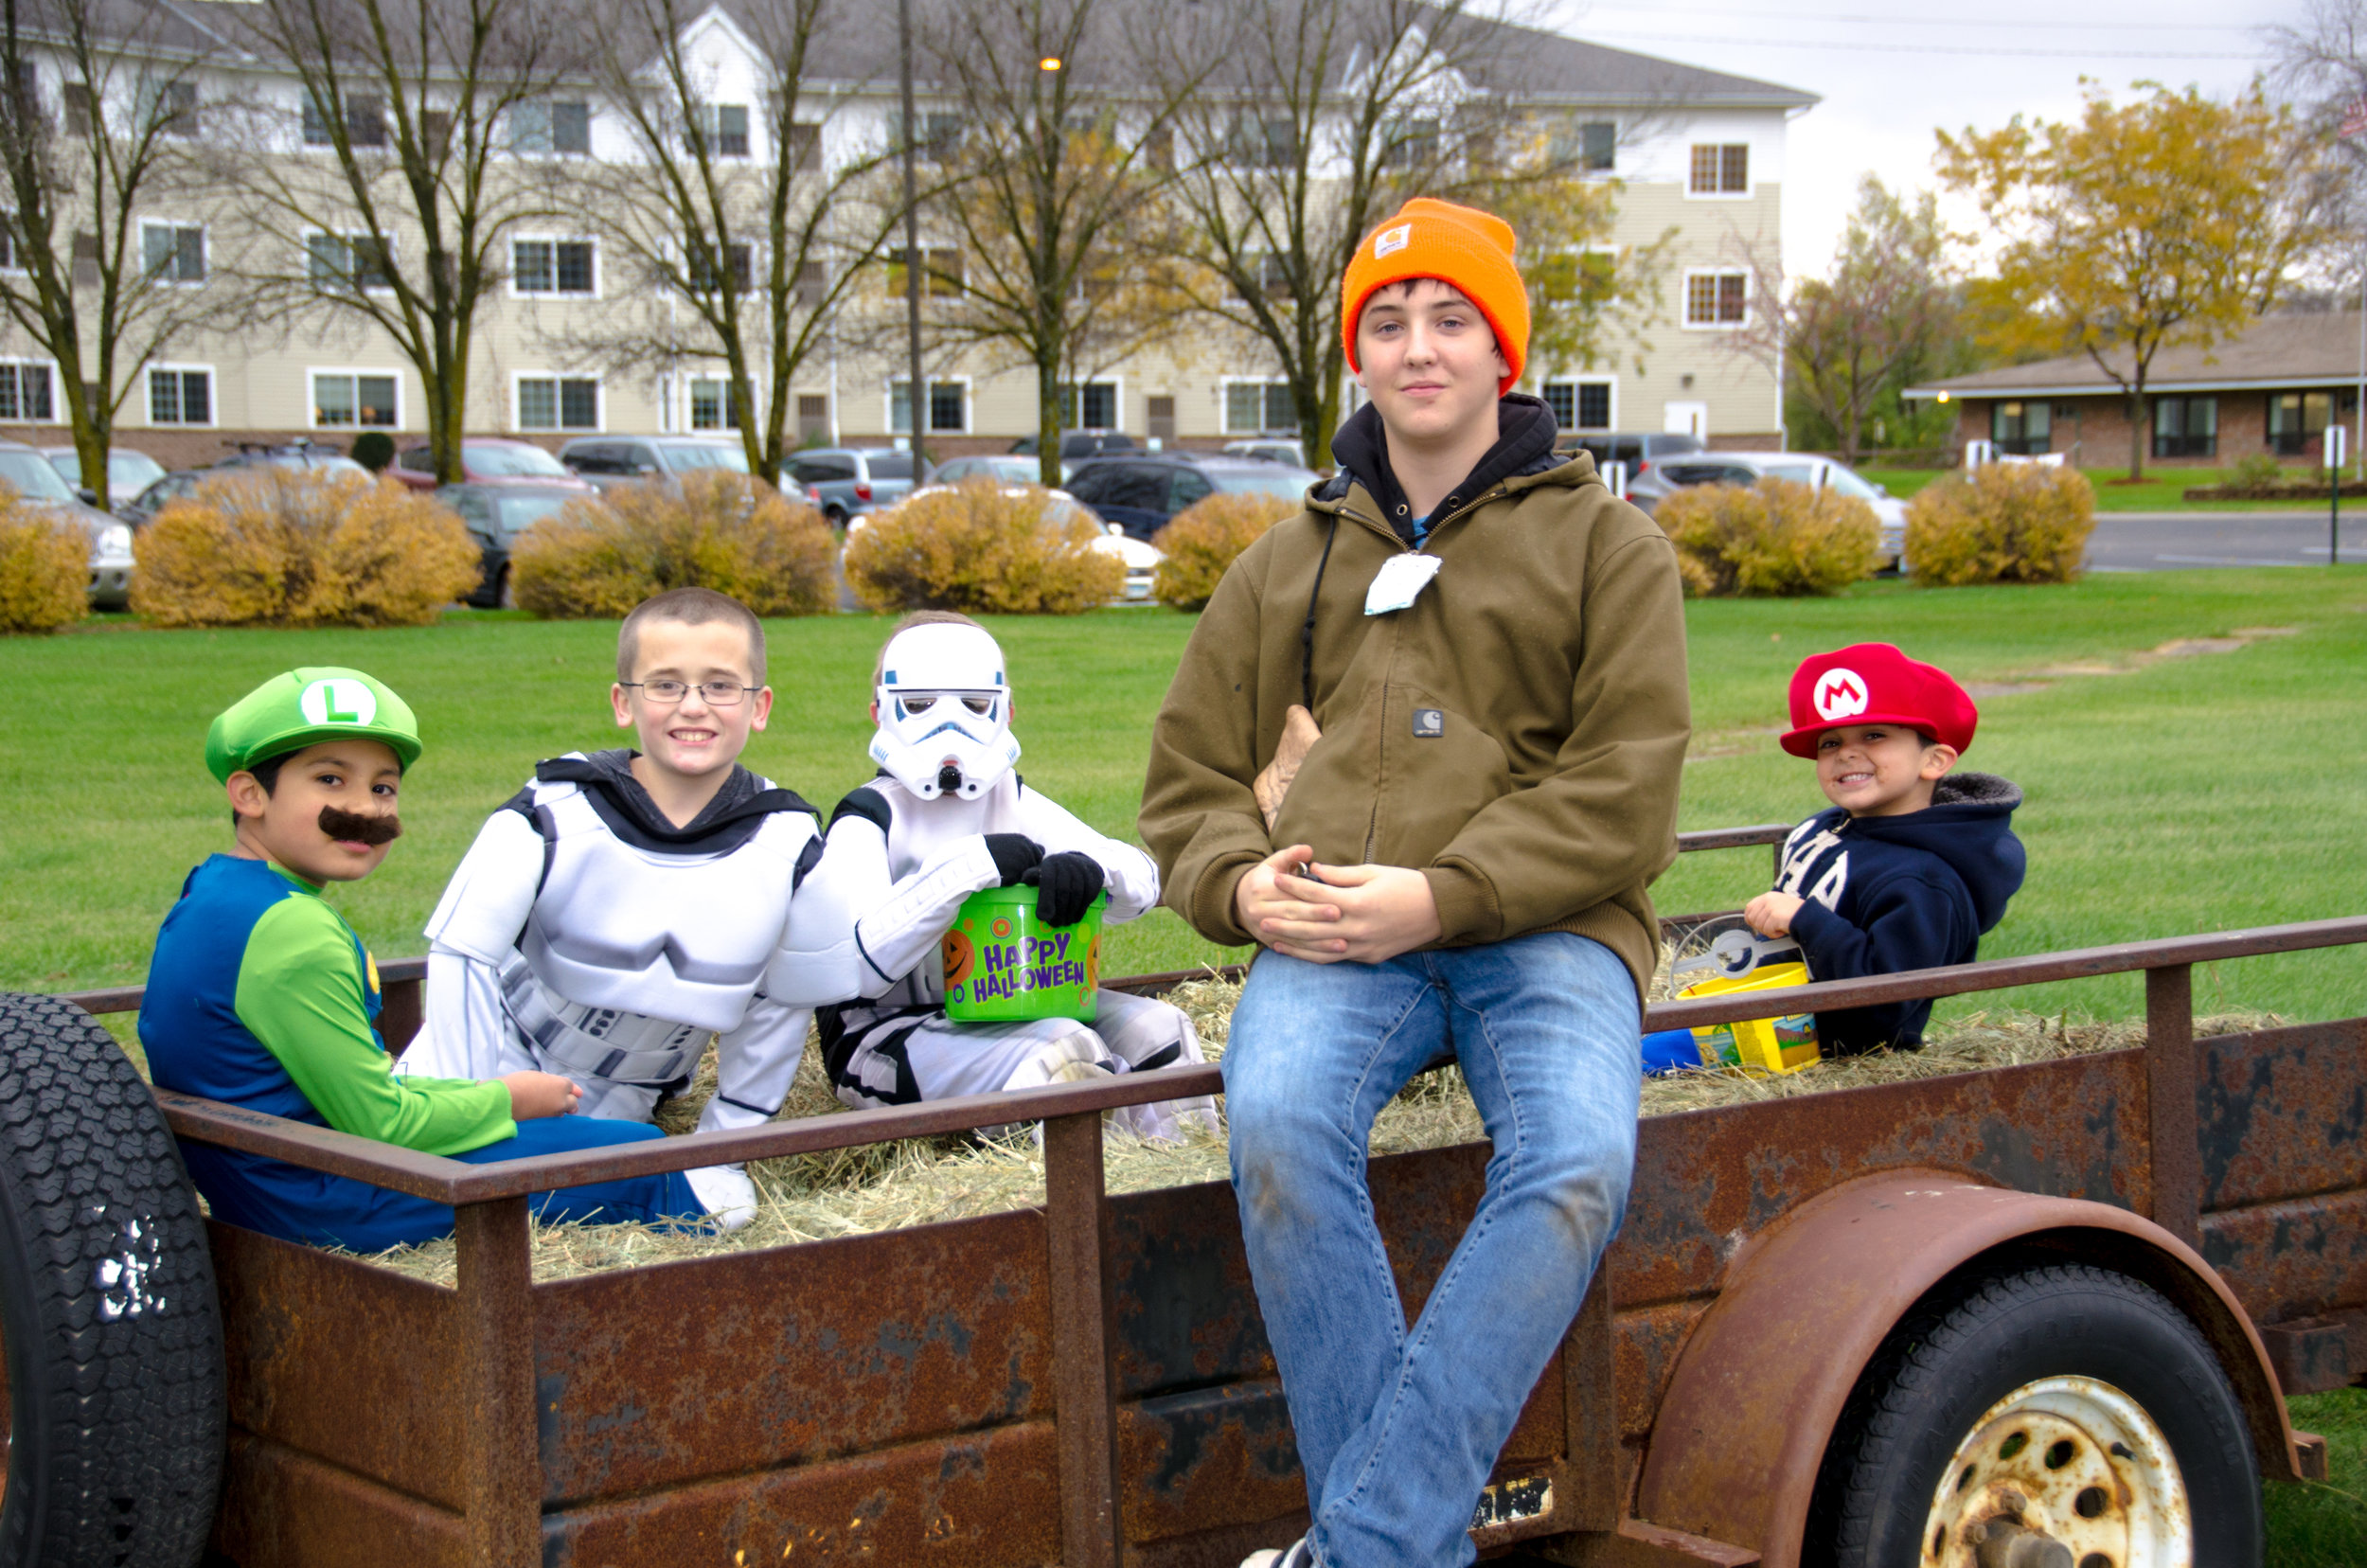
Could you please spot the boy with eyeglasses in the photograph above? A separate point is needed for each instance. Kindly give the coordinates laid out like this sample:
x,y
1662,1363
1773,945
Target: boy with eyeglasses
x,y
625,904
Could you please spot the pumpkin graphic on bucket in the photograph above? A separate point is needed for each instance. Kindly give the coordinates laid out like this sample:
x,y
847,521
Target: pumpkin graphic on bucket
x,y
1003,963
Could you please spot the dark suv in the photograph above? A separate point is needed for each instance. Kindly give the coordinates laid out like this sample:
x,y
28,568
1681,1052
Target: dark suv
x,y
1638,452
1140,492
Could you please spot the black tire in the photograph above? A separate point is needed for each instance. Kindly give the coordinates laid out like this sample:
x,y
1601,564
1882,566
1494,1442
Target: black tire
x,y
1958,1354
107,1307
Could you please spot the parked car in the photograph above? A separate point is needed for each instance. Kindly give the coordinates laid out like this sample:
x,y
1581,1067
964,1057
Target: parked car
x,y
845,482
1140,493
31,473
488,460
495,513
1748,468
606,460
301,455
1638,452
1289,452
1139,559
1002,469
1077,445
128,473
142,509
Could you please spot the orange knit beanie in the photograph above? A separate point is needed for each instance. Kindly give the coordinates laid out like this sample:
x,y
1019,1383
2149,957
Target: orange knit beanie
x,y
1460,245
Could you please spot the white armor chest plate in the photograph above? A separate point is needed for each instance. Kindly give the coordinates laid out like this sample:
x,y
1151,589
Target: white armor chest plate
x,y
681,938
917,828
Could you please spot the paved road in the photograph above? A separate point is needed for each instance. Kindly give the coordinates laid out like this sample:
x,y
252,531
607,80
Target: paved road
x,y
2168,542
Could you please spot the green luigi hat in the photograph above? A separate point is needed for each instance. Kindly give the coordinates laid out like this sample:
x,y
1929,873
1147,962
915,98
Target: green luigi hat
x,y
293,711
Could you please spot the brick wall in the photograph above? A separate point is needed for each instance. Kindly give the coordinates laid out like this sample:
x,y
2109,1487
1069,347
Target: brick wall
x,y
2095,431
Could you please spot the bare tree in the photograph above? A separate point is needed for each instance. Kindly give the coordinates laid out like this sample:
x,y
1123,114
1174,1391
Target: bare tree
x,y
1886,308
2320,67
98,290
1329,114
385,192
736,214
1050,172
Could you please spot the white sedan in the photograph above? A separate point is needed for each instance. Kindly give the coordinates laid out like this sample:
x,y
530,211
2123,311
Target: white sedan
x,y
1140,560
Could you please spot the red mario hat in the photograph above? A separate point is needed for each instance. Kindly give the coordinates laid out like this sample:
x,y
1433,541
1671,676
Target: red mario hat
x,y
1876,684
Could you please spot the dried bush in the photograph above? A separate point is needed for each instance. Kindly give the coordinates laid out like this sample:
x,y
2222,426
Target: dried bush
x,y
44,568
273,546
2257,471
718,529
2008,522
983,549
1779,539
1200,542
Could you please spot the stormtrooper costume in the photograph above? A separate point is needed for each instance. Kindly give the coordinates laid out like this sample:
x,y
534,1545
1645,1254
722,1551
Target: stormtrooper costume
x,y
586,934
947,817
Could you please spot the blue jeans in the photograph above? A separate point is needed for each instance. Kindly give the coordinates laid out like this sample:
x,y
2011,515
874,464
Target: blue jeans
x,y
258,1193
1398,1432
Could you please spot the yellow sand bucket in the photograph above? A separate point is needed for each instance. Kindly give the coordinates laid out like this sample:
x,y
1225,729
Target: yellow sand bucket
x,y
1756,1044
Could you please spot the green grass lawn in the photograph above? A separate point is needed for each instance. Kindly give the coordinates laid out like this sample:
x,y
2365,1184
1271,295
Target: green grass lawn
x,y
2187,794
2160,489
2324,1524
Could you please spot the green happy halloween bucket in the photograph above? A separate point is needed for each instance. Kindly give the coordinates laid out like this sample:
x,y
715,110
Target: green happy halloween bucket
x,y
1001,963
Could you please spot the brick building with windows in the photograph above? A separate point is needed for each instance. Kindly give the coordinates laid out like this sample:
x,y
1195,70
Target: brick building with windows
x,y
2272,388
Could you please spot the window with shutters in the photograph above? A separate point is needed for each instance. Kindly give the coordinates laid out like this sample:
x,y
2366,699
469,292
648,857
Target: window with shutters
x,y
1719,168
174,253
180,395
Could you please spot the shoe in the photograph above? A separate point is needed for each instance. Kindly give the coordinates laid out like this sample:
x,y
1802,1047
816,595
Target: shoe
x,y
730,1197
1296,1555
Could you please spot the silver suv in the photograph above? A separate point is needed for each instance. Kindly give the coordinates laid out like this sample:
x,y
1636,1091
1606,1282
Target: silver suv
x,y
606,460
24,470
851,481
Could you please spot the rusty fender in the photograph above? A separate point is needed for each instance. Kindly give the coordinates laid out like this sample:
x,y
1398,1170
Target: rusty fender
x,y
1806,1303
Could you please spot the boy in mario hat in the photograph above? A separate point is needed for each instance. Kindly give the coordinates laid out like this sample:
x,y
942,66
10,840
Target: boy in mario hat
x,y
260,995
1913,861
1424,749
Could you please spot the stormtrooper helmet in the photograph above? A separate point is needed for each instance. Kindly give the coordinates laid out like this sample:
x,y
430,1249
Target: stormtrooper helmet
x,y
944,712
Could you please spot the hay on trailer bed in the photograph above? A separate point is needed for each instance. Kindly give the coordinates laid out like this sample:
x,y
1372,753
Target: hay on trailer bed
x,y
916,1181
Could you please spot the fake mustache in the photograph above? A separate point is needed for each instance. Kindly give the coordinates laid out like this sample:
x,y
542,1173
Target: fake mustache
x,y
359,828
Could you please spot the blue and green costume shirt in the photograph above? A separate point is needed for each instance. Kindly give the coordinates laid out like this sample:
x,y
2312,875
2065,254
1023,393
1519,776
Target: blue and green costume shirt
x,y
260,996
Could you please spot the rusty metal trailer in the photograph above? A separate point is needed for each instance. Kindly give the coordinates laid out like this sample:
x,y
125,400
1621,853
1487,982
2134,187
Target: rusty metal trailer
x,y
1089,1383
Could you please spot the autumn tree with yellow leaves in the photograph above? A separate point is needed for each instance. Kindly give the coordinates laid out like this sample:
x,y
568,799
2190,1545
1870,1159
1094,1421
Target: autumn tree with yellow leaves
x,y
2169,219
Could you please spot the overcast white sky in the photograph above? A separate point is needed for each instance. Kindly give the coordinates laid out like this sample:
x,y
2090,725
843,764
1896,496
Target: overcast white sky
x,y
1889,79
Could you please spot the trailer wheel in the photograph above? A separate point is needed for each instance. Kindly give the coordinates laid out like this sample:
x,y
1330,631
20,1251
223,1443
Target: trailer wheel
x,y
113,1336
2063,1416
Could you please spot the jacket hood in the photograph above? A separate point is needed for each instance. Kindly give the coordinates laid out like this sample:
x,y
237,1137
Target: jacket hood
x,y
728,821
1969,825
1525,429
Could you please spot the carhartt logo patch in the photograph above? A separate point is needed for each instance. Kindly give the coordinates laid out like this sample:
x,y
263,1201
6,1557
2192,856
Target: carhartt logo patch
x,y
337,700
1840,694
1429,723
1391,240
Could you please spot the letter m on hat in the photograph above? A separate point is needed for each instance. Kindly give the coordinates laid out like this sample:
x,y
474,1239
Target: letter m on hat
x,y
1840,694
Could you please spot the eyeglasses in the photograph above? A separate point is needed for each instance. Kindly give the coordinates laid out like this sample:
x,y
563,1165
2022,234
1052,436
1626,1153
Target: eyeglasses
x,y
713,693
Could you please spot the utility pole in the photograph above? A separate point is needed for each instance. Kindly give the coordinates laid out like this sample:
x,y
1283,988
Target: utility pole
x,y
917,390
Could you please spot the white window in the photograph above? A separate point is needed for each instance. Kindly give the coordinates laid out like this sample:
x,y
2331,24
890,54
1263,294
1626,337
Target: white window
x,y
1583,405
347,262
740,265
712,406
550,127
949,408
1259,408
26,393
727,127
1716,299
357,399
1719,168
559,402
552,267
180,395
1093,405
174,253
365,121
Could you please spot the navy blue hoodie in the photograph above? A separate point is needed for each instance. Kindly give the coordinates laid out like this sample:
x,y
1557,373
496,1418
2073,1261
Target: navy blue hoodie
x,y
1891,893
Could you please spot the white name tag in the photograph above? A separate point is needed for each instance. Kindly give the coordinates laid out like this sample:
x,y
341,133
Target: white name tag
x,y
1400,582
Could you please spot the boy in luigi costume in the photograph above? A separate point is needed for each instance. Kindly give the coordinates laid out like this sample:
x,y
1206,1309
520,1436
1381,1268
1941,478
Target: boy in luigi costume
x,y
260,995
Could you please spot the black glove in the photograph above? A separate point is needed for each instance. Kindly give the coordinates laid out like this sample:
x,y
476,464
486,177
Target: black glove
x,y
1015,856
1066,885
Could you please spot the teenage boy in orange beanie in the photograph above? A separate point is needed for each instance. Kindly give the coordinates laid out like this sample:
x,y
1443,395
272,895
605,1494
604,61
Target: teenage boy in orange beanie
x,y
1424,750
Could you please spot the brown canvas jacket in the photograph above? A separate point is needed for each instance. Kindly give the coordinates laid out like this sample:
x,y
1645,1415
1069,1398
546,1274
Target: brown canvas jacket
x,y
1517,734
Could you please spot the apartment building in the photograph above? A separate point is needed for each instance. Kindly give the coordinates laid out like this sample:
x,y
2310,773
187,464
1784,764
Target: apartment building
x,y
1698,157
